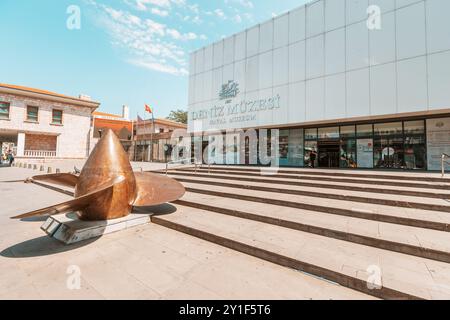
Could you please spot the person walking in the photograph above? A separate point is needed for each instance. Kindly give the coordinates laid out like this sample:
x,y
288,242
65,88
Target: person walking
x,y
10,158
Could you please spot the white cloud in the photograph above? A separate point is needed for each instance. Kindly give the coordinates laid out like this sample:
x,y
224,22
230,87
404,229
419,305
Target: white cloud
x,y
159,12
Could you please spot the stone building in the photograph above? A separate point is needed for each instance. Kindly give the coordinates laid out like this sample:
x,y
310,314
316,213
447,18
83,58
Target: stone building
x,y
40,124
159,133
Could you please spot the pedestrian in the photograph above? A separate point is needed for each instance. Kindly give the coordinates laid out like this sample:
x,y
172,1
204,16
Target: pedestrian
x,y
312,158
10,158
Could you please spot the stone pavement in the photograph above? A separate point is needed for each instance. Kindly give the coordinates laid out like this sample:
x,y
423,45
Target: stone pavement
x,y
147,262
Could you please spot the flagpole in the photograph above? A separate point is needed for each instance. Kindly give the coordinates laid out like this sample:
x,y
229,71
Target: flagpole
x,y
151,136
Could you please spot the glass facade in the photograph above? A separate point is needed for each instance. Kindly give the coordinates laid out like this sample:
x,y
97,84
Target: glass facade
x,y
390,145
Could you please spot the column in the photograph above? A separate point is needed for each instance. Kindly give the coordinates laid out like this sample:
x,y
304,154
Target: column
x,y
20,144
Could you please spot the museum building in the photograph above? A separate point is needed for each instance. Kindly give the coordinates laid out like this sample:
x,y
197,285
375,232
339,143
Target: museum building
x,y
359,83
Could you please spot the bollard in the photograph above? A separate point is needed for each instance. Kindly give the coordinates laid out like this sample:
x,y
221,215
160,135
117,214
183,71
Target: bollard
x,y
29,166
20,164
42,168
49,170
58,171
35,167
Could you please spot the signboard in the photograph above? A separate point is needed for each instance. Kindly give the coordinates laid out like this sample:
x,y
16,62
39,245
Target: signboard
x,y
234,110
438,142
365,153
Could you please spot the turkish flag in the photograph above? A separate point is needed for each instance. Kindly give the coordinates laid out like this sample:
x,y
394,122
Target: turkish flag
x,y
148,109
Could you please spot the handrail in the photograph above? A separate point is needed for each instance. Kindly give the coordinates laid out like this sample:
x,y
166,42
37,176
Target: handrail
x,y
443,162
181,161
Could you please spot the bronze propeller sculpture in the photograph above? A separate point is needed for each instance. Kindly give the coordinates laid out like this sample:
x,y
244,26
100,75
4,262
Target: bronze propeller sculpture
x,y
107,188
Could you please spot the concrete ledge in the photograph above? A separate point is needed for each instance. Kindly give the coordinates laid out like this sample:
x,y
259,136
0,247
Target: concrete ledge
x,y
69,229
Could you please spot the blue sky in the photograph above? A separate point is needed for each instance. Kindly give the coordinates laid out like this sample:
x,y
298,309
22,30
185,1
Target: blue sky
x,y
126,51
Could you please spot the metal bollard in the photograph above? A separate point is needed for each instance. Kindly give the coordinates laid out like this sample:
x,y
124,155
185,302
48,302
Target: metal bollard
x,y
58,171
42,168
35,167
49,170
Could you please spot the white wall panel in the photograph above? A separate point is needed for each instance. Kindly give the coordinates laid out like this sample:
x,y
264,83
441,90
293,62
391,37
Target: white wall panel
x,y
280,114
228,73
280,66
239,75
240,46
384,5
252,69
383,93
208,58
411,31
218,54
356,10
281,31
438,25
192,70
297,25
199,61
358,103
199,87
296,113
207,86
217,82
297,62
265,70
315,99
315,57
252,41
403,3
334,14
228,51
412,85
314,19
357,46
191,98
266,36
382,42
265,117
335,51
335,96
439,80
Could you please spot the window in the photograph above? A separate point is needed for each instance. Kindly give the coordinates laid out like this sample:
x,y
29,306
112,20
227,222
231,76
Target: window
x,y
161,130
311,134
329,133
32,113
4,110
57,117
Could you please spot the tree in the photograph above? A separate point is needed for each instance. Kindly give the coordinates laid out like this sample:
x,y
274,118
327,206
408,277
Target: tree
x,y
178,116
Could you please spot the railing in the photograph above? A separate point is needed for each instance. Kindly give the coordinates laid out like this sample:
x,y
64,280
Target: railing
x,y
443,163
39,154
182,162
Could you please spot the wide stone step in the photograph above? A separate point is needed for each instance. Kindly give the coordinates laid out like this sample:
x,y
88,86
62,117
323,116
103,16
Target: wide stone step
x,y
397,175
424,243
351,265
410,183
432,204
361,187
397,215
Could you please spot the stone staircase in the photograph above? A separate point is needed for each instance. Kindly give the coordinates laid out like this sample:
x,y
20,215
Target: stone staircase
x,y
340,226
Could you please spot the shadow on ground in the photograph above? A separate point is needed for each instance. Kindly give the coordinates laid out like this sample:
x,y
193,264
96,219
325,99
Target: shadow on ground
x,y
42,246
45,245
160,210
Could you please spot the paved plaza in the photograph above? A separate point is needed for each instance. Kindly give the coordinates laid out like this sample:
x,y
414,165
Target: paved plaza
x,y
148,262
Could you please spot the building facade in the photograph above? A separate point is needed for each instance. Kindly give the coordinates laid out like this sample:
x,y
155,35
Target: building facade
x,y
120,124
42,124
153,139
360,83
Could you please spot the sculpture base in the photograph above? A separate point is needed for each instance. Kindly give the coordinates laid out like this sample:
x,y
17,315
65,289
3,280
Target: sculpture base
x,y
69,229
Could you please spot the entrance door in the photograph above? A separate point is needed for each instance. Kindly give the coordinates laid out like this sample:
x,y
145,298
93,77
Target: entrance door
x,y
329,154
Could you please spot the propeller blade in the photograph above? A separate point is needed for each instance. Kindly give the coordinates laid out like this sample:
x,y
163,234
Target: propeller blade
x,y
75,204
154,189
